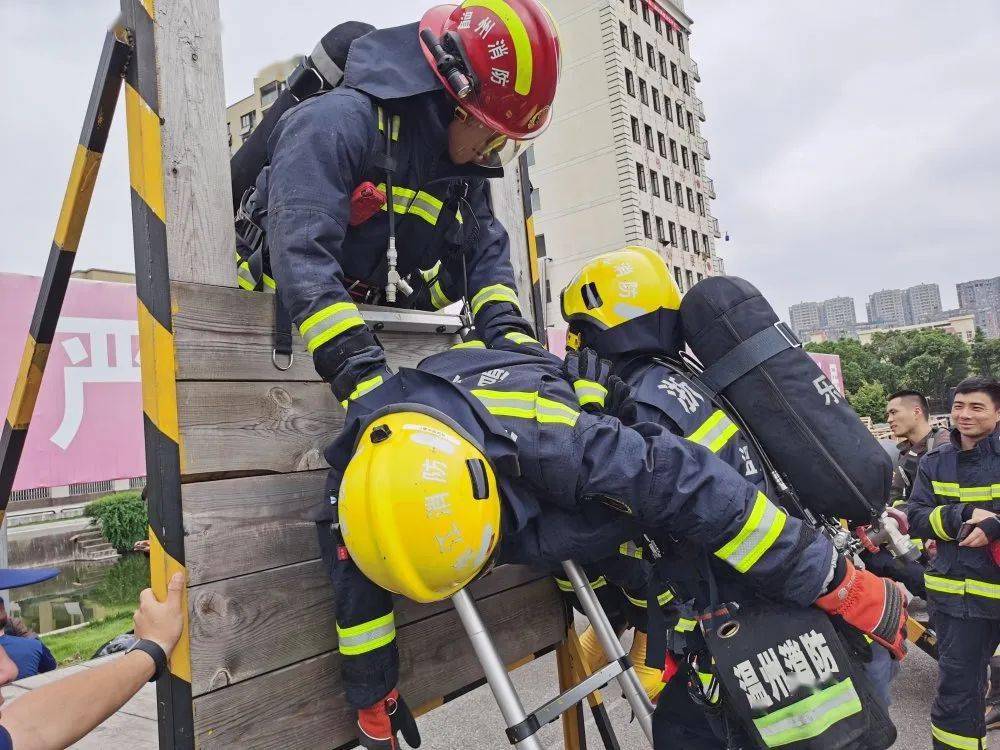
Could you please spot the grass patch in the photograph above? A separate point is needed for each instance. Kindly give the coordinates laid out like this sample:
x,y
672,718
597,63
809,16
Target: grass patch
x,y
80,644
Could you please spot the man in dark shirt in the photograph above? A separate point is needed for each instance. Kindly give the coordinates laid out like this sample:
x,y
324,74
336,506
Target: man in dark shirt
x,y
29,654
908,415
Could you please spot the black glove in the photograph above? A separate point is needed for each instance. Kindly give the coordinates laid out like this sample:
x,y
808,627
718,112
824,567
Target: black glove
x,y
379,725
620,395
991,527
589,375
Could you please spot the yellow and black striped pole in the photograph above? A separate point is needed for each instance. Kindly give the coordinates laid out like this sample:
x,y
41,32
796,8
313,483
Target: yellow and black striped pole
x,y
156,352
80,188
537,300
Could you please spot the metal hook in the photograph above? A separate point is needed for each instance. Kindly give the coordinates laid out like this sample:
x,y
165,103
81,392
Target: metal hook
x,y
274,360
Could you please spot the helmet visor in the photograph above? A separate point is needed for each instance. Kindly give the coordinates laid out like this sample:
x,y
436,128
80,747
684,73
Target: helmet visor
x,y
472,142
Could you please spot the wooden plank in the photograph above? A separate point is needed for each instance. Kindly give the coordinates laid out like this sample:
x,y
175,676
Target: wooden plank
x,y
226,334
242,627
240,526
192,105
302,706
255,427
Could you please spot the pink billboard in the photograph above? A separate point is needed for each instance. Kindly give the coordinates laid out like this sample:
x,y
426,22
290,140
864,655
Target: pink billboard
x,y
87,425
830,365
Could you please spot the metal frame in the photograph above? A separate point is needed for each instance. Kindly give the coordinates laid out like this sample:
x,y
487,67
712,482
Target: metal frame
x,y
72,216
529,229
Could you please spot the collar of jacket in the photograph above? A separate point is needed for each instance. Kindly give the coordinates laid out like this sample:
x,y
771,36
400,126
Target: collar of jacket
x,y
989,444
658,332
920,447
428,390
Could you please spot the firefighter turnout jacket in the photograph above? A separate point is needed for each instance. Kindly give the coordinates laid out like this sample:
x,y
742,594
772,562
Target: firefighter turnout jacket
x,y
390,113
574,486
963,582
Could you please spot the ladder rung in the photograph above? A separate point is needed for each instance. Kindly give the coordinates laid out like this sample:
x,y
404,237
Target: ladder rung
x,y
561,703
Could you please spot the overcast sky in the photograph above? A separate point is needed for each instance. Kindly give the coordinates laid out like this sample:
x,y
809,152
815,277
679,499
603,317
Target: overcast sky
x,y
855,146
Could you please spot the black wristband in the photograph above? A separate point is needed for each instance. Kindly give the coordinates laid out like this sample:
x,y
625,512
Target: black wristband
x,y
156,652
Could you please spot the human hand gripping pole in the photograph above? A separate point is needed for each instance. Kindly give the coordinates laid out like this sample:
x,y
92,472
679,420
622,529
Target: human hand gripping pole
x,y
875,606
379,724
589,375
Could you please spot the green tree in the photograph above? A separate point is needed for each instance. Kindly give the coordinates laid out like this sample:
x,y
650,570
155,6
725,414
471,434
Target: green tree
x,y
943,360
869,401
985,356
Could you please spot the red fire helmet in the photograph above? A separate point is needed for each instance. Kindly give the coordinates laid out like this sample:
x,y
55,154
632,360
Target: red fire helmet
x,y
509,52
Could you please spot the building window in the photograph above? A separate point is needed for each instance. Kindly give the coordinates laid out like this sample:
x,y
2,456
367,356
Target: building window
x,y
690,121
623,30
651,56
680,114
700,277
629,82
637,45
705,244
662,140
690,194
666,189
673,73
679,279
694,161
680,41
688,274
645,12
643,91
269,92
649,137
670,33
654,183
701,204
694,243
540,245
669,107
685,84
679,194
656,100
685,246
658,24
640,176
631,5
647,229
548,291
635,130
672,228
660,233
673,150
663,65
684,157
247,122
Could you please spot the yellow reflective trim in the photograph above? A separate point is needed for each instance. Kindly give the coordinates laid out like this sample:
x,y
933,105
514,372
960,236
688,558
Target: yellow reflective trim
x,y
368,636
957,741
548,411
715,431
526,405
567,586
756,537
494,293
335,319
937,524
472,344
520,338
438,298
944,585
665,598
948,489
519,36
364,386
269,282
685,625
641,603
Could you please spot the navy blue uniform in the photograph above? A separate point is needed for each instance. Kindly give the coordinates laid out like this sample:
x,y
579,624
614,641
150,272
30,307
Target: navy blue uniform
x,y
574,486
963,583
321,151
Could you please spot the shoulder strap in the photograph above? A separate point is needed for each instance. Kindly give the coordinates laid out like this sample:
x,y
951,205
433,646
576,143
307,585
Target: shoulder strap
x,y
747,355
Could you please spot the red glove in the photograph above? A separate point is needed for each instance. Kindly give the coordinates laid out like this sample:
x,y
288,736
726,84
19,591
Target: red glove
x,y
378,724
875,606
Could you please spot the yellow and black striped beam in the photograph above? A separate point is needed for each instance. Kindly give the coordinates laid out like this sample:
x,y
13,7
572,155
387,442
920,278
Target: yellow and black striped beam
x,y
156,348
76,202
537,299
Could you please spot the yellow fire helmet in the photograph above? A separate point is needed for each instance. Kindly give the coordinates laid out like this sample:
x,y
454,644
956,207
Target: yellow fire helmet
x,y
419,505
617,287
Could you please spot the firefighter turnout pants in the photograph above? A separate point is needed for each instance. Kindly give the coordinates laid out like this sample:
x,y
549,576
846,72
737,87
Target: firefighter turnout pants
x,y
958,714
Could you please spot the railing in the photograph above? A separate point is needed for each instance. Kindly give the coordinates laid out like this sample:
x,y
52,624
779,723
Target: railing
x,y
694,71
702,146
713,224
709,185
697,106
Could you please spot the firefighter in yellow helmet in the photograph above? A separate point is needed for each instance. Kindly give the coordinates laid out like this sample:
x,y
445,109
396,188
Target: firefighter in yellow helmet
x,y
428,462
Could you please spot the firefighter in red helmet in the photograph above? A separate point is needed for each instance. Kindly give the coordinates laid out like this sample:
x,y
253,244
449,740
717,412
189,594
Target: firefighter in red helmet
x,y
375,191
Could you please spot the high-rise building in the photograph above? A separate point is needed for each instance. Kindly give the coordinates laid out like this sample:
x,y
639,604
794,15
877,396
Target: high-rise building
x,y
923,303
243,116
624,161
887,307
805,318
981,298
